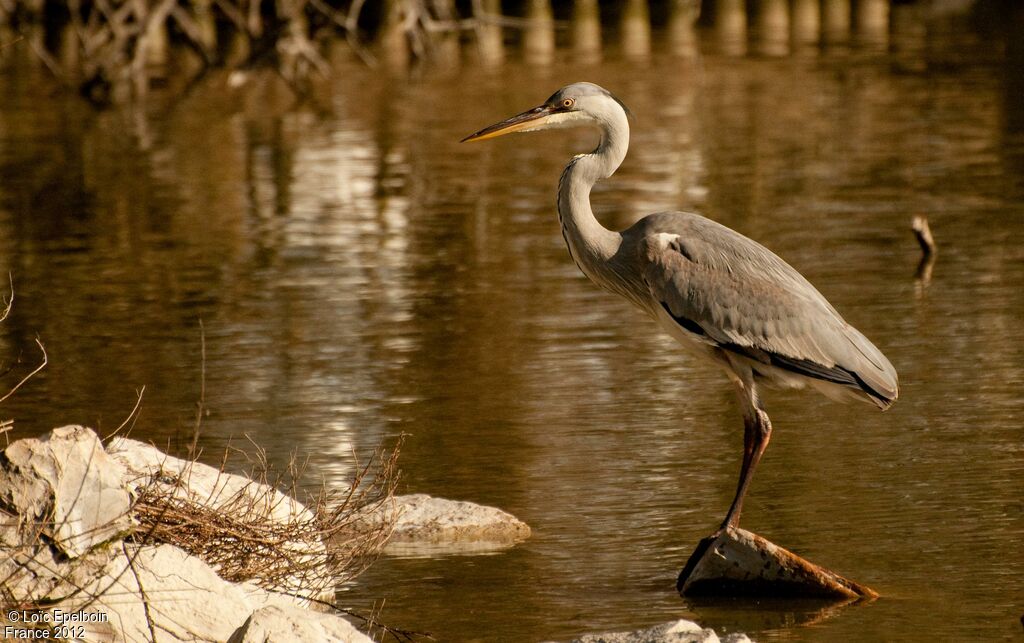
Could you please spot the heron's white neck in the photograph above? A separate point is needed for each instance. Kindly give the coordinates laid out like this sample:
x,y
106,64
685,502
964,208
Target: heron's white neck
x,y
590,243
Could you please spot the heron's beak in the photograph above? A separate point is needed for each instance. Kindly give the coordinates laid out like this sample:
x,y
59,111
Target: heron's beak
x,y
528,120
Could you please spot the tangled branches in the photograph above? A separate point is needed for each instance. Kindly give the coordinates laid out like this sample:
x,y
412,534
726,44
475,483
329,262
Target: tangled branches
x,y
249,531
115,50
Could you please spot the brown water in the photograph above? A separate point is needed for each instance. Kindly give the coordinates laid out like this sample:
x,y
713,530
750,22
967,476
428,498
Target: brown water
x,y
360,274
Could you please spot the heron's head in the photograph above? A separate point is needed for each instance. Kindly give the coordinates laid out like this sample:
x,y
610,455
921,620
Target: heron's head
x,y
572,105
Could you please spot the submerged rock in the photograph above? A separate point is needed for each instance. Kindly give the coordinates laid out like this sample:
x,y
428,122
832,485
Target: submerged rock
x,y
738,562
426,524
681,631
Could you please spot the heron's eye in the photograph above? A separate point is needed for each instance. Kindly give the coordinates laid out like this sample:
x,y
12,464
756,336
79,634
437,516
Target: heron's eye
x,y
568,102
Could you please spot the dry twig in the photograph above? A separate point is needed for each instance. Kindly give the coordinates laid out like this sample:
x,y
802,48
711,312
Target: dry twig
x,y
41,366
253,533
132,416
201,404
8,302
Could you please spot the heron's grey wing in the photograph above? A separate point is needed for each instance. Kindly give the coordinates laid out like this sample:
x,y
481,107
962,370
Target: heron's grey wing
x,y
743,298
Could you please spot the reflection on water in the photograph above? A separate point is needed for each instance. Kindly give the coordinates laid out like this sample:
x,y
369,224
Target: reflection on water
x,y
636,30
731,27
835,20
806,20
360,274
586,30
539,33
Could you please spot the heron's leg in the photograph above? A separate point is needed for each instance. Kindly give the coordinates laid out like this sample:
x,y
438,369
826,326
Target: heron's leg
x,y
757,431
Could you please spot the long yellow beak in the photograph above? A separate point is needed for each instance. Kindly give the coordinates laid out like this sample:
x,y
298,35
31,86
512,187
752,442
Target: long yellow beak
x,y
517,123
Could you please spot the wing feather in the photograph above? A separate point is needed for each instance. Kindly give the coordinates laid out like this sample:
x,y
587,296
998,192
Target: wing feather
x,y
748,300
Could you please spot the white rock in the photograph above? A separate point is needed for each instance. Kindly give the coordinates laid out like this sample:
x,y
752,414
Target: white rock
x,y
35,571
186,598
182,589
278,623
67,481
681,631
425,522
423,517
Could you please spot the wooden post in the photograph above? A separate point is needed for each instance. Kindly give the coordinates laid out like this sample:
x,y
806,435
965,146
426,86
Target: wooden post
x,y
923,234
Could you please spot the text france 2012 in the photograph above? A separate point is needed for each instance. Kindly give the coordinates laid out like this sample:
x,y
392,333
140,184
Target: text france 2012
x,y
55,624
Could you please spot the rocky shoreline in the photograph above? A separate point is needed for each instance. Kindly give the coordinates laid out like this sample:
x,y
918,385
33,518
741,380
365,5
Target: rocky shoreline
x,y
80,557
68,526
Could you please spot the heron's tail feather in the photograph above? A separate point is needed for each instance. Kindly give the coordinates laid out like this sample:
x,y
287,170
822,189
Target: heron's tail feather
x,y
875,374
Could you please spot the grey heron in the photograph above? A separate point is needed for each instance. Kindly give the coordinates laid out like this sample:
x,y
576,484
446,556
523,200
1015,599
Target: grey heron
x,y
724,297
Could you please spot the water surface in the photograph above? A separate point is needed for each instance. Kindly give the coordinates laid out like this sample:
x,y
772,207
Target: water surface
x,y
359,274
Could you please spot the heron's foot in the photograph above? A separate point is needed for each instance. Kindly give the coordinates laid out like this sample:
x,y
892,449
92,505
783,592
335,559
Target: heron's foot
x,y
732,521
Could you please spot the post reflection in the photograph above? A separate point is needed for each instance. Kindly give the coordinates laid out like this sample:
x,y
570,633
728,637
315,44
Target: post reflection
x,y
489,36
731,27
392,40
445,46
539,33
873,22
773,27
636,30
835,21
681,30
586,30
806,21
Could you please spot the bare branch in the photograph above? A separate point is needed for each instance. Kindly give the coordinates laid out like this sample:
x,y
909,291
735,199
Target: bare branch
x,y
30,375
131,416
8,302
201,404
142,592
